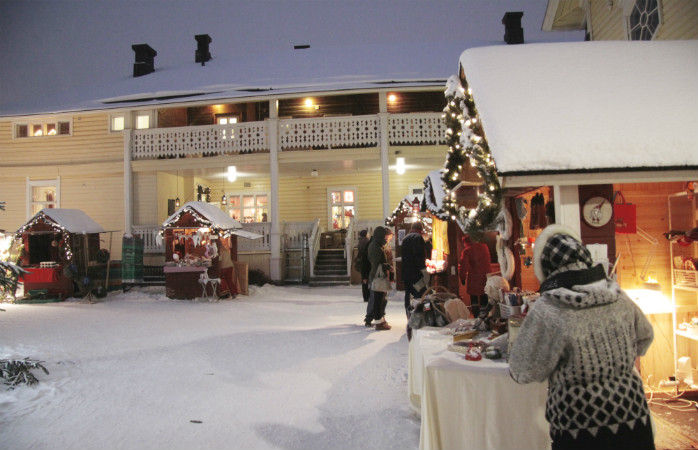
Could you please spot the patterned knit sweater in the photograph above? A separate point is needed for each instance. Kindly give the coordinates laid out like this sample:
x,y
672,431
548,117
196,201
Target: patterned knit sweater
x,y
584,341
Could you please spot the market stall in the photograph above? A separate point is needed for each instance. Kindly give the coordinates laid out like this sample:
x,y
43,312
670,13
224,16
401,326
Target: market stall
x,y
61,252
191,251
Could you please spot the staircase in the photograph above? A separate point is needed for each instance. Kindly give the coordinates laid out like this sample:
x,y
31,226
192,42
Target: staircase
x,y
330,269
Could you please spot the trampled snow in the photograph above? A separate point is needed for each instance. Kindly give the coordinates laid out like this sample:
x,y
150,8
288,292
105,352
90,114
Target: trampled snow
x,y
282,368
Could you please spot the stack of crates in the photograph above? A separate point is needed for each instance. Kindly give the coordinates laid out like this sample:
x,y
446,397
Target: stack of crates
x,y
132,260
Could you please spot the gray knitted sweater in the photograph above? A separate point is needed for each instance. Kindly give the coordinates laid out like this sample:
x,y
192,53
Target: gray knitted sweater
x,y
584,341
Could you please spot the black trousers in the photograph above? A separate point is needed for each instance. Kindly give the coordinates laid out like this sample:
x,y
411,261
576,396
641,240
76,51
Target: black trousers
x,y
478,302
365,290
638,438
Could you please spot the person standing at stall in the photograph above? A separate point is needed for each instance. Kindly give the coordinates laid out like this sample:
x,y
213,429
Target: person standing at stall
x,y
413,253
378,257
361,265
475,264
226,267
583,335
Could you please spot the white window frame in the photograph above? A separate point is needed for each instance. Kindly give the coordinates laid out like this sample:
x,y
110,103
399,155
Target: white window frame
x,y
628,7
43,123
256,207
31,184
355,204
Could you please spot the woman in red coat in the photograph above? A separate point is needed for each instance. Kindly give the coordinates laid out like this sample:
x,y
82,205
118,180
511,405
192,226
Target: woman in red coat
x,y
475,264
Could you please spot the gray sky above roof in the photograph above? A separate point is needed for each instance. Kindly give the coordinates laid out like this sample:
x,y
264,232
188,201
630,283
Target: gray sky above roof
x,y
49,47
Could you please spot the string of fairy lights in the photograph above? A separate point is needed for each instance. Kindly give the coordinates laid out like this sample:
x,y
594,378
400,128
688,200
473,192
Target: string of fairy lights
x,y
66,246
467,145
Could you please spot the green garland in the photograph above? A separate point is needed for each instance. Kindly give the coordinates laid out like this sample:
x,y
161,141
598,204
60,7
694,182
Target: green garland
x,y
467,145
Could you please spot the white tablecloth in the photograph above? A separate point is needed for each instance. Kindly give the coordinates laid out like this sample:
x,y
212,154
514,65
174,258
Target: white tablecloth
x,y
425,343
472,404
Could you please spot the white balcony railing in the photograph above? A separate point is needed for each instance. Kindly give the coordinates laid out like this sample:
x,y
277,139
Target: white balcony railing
x,y
329,132
206,140
322,132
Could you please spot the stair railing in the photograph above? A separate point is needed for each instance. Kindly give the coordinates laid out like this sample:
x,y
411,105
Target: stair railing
x,y
314,246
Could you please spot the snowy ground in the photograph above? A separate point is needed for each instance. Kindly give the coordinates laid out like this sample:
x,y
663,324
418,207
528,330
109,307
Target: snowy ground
x,y
282,368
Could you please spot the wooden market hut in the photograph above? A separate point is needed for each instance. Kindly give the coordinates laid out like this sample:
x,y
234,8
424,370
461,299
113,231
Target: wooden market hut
x,y
189,234
565,139
61,252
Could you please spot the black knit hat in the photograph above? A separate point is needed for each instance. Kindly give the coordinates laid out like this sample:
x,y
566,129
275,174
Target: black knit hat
x,y
556,247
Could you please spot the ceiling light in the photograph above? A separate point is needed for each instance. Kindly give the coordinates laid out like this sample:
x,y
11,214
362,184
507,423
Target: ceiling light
x,y
232,173
400,166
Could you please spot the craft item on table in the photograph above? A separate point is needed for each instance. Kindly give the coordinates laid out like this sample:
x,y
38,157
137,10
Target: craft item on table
x,y
473,353
492,353
498,326
462,335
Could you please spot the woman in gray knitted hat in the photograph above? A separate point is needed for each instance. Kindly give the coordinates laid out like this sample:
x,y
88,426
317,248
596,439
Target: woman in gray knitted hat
x,y
583,336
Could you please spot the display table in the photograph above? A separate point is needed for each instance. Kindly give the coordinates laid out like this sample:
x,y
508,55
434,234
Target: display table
x,y
52,279
425,343
472,404
183,282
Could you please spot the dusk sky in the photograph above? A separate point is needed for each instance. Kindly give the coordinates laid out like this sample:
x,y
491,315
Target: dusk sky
x,y
51,46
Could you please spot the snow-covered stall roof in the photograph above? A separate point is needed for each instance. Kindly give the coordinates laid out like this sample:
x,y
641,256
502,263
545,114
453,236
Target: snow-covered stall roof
x,y
208,213
587,106
72,220
210,216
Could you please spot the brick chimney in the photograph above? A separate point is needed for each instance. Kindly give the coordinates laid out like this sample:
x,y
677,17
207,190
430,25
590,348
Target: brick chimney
x,y
202,53
145,60
513,33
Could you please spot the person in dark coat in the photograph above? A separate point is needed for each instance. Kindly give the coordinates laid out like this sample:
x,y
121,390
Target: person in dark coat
x,y
475,264
378,258
362,265
413,253
583,336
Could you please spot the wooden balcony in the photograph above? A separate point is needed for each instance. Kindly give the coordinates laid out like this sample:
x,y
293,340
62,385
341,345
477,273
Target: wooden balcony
x,y
293,134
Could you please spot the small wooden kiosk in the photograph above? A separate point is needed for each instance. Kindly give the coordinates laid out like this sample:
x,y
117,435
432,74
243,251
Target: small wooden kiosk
x,y
61,252
190,234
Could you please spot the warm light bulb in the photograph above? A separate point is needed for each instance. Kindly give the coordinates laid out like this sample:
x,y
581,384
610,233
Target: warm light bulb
x,y
392,98
400,166
232,173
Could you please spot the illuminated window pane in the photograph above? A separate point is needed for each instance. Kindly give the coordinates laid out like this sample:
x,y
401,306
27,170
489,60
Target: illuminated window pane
x,y
336,197
234,201
51,129
348,196
118,123
37,130
261,200
248,200
142,122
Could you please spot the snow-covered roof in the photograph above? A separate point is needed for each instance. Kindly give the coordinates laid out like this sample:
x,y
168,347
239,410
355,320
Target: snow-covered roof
x,y
72,220
587,106
215,215
316,69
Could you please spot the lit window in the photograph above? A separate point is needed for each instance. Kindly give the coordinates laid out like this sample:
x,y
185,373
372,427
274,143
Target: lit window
x,y
342,207
118,123
23,130
226,120
142,121
248,207
44,194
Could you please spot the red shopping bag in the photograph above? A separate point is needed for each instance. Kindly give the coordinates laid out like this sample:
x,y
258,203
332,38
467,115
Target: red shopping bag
x,y
625,215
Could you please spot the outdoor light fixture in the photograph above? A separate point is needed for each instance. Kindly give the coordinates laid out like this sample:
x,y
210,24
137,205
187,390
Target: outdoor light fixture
x,y
224,199
232,173
392,98
400,166
177,202
313,173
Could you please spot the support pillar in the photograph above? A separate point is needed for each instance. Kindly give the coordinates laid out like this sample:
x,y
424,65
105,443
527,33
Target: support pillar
x,y
274,147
